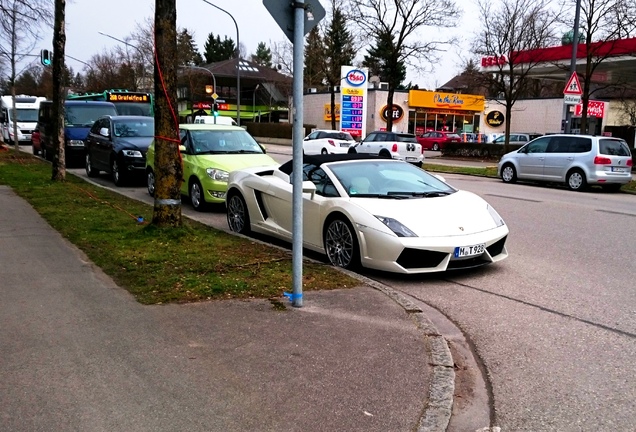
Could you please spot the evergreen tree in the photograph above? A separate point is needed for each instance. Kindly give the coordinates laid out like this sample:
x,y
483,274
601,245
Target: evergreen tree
x,y
339,51
187,52
314,59
263,56
381,59
216,50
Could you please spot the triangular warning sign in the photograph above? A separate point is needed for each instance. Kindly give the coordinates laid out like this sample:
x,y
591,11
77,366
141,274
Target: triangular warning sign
x,y
573,87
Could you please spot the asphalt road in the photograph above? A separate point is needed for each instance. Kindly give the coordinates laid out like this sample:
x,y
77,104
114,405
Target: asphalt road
x,y
555,324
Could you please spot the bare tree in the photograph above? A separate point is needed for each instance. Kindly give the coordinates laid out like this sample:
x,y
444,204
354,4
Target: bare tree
x,y
510,28
283,57
402,22
20,22
603,23
57,112
168,167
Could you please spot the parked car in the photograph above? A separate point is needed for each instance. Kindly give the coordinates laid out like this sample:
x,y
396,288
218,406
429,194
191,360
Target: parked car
x,y
576,160
118,145
370,211
210,152
35,141
516,138
327,141
393,145
79,117
437,140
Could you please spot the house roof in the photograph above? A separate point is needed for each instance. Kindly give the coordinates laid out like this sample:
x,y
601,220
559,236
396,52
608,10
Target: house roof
x,y
248,70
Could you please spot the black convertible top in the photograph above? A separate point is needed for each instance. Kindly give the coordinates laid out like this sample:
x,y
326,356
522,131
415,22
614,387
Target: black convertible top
x,y
318,160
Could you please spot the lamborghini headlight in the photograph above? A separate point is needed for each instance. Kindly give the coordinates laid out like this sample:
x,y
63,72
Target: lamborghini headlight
x,y
495,216
217,174
395,226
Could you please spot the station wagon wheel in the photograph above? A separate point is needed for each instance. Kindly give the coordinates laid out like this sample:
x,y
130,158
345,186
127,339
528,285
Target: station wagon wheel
x,y
435,147
196,195
90,169
576,180
150,182
238,218
509,173
324,151
341,244
119,178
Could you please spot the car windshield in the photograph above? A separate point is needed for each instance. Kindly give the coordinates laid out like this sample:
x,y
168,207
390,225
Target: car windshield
x,y
388,179
406,138
134,128
85,115
344,136
223,141
27,115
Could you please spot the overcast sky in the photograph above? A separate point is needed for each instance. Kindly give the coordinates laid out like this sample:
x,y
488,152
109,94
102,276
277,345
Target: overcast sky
x,y
85,18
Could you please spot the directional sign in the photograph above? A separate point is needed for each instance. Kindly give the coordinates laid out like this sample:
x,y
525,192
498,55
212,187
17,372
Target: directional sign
x,y
283,13
573,87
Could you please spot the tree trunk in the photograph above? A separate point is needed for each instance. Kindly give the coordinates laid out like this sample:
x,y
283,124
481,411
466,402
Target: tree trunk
x,y
168,165
14,110
389,104
59,43
509,104
333,108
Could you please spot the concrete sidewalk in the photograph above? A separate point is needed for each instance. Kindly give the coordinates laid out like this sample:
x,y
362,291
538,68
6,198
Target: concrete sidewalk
x,y
79,353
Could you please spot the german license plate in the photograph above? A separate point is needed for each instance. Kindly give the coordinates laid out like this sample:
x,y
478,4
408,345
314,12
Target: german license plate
x,y
466,251
344,144
618,169
411,159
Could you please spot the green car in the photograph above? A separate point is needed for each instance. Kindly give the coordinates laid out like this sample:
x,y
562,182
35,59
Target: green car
x,y
209,153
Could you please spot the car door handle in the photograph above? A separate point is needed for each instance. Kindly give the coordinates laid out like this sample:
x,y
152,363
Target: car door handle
x,y
570,158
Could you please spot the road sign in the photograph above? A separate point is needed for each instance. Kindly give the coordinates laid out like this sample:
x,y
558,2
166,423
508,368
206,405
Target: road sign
x,y
214,96
571,99
283,13
573,87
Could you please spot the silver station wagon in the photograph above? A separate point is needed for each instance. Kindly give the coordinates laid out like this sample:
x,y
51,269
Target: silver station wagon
x,y
576,160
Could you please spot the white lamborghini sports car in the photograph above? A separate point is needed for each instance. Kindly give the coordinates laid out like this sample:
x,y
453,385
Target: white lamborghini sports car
x,y
379,213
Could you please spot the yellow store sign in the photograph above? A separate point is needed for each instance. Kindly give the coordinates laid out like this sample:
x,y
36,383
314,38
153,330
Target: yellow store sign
x,y
327,116
439,100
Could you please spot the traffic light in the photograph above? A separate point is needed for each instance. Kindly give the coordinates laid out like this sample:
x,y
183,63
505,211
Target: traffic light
x,y
215,110
46,57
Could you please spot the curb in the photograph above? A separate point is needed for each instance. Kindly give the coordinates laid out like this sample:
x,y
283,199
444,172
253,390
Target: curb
x,y
437,412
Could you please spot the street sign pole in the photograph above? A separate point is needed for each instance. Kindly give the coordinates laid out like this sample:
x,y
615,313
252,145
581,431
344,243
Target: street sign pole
x,y
297,155
575,44
295,22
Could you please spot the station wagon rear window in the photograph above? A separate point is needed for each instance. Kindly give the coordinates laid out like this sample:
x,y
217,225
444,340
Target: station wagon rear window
x,y
613,147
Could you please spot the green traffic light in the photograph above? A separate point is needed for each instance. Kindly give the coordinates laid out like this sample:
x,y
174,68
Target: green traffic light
x,y
45,57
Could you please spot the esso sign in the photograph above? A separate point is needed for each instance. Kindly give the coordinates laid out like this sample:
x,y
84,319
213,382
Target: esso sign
x,y
356,78
494,61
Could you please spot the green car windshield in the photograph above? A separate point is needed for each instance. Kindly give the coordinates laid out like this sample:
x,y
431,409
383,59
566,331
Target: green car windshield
x,y
223,141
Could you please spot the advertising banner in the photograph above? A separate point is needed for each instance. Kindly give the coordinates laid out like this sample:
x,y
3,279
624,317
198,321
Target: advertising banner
x,y
353,100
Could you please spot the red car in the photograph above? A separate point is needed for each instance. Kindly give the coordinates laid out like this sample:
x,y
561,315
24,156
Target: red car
x,y
35,142
437,140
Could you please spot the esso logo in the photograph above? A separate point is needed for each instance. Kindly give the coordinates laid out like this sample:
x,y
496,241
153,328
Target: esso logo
x,y
356,77
494,61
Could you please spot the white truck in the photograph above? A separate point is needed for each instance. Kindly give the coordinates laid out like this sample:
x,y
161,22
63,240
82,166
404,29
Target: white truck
x,y
26,116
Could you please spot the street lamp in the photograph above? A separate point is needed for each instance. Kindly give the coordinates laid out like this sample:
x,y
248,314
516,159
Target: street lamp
x,y
213,80
254,100
238,64
143,67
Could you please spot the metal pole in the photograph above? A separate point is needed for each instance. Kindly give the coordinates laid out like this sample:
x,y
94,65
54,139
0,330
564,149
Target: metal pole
x,y
238,64
213,82
297,155
143,67
575,44
254,101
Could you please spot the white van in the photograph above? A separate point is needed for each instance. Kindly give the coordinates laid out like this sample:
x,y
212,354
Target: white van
x,y
220,120
26,110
